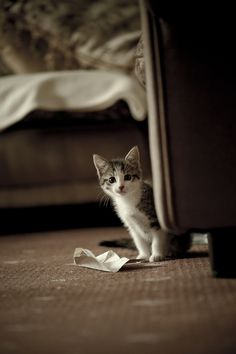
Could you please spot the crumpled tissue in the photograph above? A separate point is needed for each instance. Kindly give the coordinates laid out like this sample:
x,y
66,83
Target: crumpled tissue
x,y
107,262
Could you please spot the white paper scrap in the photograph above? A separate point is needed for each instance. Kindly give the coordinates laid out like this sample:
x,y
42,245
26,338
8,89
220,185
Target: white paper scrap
x,y
107,262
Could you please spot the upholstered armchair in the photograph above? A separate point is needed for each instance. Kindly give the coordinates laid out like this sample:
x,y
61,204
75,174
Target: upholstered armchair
x,y
190,77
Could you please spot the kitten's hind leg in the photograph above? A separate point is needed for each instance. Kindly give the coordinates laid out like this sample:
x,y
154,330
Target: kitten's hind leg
x,y
160,245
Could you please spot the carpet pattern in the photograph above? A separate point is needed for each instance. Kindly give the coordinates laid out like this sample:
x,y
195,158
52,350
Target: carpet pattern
x,y
49,305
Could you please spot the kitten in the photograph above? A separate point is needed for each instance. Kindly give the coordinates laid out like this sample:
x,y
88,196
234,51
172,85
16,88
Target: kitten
x,y
121,180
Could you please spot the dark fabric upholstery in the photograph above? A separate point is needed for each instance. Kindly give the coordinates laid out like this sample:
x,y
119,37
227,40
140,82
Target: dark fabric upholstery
x,y
190,66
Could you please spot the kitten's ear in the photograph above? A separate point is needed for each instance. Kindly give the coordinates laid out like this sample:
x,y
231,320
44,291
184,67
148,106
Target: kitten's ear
x,y
100,163
133,156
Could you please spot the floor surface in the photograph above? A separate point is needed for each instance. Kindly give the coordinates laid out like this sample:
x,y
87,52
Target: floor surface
x,y
49,305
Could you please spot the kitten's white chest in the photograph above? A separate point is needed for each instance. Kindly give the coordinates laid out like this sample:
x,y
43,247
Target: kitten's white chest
x,y
127,210
126,206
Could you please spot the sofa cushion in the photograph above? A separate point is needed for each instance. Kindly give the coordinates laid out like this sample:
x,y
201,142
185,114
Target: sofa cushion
x,y
52,165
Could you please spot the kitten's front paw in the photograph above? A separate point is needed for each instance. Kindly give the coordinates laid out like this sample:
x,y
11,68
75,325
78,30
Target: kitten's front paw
x,y
143,256
156,258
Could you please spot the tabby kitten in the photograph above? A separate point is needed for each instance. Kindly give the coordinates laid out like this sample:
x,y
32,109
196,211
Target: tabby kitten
x,y
121,180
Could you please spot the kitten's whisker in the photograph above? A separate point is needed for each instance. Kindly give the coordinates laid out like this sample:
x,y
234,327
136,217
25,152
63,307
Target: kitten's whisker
x,y
104,200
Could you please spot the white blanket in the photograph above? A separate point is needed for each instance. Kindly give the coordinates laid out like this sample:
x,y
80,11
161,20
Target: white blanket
x,y
79,90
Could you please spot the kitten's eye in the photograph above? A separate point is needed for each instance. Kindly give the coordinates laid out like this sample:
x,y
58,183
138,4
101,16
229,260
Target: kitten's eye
x,y
112,180
127,177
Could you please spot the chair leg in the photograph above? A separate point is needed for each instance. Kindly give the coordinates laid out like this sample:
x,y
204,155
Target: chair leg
x,y
222,249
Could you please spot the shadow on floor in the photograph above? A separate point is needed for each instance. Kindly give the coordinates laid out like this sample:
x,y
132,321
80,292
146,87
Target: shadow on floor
x,y
128,243
37,219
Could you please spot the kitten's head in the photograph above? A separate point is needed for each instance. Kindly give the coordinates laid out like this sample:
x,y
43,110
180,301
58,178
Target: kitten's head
x,y
119,177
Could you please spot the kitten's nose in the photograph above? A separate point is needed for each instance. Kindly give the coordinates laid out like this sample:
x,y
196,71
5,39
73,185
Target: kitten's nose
x,y
121,187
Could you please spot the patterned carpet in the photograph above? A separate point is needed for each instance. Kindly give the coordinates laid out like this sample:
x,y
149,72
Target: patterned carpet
x,y
49,305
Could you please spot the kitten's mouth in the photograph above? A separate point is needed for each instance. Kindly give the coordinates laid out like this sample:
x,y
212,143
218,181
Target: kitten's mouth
x,y
121,192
